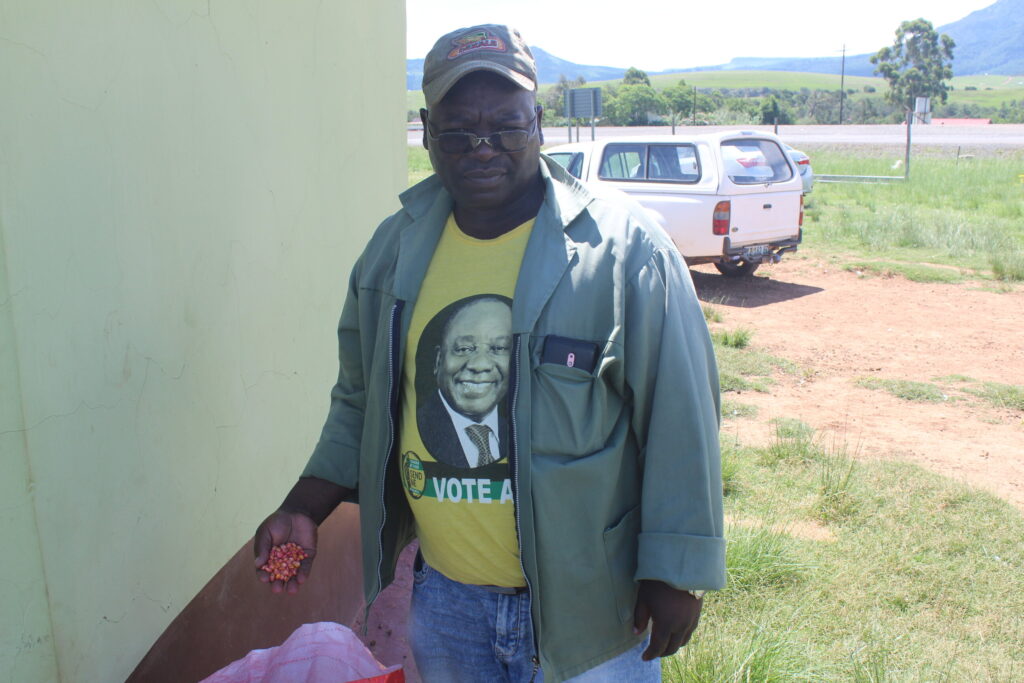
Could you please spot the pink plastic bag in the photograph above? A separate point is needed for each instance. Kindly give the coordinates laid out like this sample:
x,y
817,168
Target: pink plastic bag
x,y
314,653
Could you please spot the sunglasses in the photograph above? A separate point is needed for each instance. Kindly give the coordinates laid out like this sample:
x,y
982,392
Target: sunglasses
x,y
513,140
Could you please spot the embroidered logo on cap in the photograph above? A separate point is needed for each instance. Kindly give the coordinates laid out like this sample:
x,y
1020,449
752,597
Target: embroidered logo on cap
x,y
475,41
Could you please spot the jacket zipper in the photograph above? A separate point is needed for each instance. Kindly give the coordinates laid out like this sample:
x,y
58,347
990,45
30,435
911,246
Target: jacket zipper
x,y
513,450
396,311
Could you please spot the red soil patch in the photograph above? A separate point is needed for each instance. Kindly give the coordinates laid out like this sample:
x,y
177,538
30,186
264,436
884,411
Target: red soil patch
x,y
840,327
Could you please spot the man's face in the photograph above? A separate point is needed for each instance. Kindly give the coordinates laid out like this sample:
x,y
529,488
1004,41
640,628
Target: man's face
x,y
472,361
484,103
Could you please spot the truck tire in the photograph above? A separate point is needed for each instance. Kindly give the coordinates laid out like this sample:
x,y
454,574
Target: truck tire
x,y
739,268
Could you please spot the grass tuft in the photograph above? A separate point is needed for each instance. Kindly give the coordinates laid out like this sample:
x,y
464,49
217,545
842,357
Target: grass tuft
x,y
954,378
735,339
1008,267
915,272
711,314
730,469
908,390
758,558
792,442
836,500
1001,395
734,409
766,654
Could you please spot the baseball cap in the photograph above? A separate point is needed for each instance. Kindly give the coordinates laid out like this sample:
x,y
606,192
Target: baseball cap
x,y
487,47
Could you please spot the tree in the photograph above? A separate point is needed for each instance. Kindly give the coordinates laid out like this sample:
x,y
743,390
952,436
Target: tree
x,y
635,76
632,104
772,111
679,102
918,64
553,100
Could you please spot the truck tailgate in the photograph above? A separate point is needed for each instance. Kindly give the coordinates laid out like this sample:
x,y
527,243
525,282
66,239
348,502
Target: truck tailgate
x,y
759,217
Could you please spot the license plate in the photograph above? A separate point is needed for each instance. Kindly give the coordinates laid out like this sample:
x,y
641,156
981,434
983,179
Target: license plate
x,y
755,252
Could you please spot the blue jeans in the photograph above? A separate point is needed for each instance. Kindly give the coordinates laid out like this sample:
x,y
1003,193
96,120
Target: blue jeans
x,y
468,634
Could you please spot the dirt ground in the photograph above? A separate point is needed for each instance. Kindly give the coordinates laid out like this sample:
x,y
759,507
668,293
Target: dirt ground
x,y
840,326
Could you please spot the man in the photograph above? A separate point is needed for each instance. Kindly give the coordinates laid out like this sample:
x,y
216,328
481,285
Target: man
x,y
586,552
459,421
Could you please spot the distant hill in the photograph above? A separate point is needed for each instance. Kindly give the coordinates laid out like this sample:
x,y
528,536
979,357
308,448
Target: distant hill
x,y
988,41
549,68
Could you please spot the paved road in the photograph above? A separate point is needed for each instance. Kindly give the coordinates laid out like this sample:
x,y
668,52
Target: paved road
x,y
992,136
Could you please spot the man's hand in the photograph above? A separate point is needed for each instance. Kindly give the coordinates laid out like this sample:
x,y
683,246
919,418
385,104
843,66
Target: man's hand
x,y
307,505
280,528
675,614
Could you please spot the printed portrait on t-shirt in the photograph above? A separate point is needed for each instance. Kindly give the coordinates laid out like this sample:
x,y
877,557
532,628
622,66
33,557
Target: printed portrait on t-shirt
x,y
462,378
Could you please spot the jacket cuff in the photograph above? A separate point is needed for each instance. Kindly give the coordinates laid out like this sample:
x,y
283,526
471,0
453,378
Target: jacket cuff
x,y
682,561
334,463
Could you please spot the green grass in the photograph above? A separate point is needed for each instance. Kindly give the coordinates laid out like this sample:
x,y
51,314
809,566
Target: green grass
x,y
991,91
1000,395
777,80
733,409
736,339
711,314
953,378
793,441
419,165
969,215
915,272
765,654
836,500
951,388
760,558
741,368
730,469
920,579
908,390
1008,267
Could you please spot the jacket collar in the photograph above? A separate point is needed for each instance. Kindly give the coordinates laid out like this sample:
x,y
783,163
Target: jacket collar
x,y
550,250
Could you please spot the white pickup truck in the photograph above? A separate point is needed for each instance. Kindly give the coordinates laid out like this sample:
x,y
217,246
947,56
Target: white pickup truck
x,y
733,199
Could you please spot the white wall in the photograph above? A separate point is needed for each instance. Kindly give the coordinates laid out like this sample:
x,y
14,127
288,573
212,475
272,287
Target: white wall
x,y
183,189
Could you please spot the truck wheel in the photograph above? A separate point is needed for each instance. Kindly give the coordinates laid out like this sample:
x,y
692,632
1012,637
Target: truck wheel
x,y
736,268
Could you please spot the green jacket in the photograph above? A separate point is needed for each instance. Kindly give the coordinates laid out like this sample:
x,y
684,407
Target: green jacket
x,y
616,472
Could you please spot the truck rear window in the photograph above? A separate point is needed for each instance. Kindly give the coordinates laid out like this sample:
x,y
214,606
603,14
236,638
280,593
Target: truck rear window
x,y
749,162
650,162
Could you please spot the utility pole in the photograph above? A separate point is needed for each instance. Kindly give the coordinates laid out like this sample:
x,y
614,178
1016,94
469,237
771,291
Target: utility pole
x,y
695,105
842,85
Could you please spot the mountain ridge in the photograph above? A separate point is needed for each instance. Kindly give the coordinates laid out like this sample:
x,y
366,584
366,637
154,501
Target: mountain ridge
x,y
988,41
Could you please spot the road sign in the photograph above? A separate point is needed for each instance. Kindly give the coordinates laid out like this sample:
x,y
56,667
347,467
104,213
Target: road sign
x,y
583,103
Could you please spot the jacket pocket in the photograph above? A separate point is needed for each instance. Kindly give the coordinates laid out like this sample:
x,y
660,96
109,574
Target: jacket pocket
x,y
575,408
620,548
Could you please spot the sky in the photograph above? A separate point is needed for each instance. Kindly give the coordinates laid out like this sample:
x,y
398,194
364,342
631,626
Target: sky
x,y
655,35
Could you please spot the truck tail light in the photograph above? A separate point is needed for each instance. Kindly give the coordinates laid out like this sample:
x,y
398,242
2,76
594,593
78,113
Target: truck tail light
x,y
801,223
720,218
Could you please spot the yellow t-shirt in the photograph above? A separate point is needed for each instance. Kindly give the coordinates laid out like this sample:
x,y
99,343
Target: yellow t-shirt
x,y
453,421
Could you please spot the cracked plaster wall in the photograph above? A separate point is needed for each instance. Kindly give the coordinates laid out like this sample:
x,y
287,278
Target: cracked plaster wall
x,y
184,187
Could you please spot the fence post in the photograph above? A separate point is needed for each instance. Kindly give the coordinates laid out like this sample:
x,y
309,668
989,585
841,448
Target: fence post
x,y
906,160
